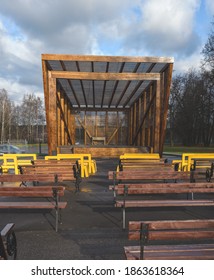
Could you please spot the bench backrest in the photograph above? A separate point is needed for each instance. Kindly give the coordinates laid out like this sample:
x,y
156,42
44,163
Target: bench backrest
x,y
147,175
171,230
31,177
165,188
44,191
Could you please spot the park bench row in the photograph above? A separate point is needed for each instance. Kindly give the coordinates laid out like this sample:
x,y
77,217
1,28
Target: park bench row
x,y
143,183
194,161
138,161
39,197
62,170
86,165
42,171
12,161
171,240
153,183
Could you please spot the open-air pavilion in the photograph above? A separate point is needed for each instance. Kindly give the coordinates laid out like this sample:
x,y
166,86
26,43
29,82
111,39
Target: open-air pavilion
x,y
112,101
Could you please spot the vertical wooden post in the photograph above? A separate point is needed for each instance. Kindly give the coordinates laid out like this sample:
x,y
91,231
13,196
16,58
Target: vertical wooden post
x,y
138,121
52,120
157,119
85,134
62,102
59,138
134,120
167,85
46,88
130,128
143,143
96,124
70,124
148,135
117,134
66,119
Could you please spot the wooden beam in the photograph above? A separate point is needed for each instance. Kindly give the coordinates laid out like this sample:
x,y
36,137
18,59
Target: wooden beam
x,y
99,58
71,124
105,76
104,86
85,128
45,87
157,119
116,84
168,79
52,119
59,137
82,86
64,122
132,93
114,132
69,82
143,119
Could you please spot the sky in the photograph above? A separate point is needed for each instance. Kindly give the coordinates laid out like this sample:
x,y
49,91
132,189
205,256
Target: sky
x,y
29,28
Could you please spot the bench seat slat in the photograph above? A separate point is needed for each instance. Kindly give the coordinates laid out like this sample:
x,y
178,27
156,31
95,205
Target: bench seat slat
x,y
175,234
172,224
44,191
172,252
164,203
31,205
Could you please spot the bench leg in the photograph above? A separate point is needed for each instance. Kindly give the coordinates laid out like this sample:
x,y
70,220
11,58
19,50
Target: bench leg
x,y
124,217
57,219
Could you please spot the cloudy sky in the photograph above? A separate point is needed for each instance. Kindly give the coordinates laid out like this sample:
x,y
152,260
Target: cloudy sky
x,y
28,28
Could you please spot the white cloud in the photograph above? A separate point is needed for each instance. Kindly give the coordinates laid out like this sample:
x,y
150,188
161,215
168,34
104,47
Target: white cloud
x,y
113,27
16,90
182,65
167,26
210,6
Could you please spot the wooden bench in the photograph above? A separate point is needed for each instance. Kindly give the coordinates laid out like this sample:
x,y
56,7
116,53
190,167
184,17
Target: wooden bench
x,y
8,245
143,163
35,178
204,166
51,195
155,190
171,240
157,175
67,170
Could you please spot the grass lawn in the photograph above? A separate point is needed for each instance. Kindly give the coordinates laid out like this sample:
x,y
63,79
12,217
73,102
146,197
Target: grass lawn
x,y
182,149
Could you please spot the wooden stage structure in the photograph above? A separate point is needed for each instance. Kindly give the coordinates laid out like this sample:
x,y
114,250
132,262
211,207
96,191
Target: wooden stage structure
x,y
106,100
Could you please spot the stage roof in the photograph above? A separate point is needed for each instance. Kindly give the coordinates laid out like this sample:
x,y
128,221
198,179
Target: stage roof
x,y
103,82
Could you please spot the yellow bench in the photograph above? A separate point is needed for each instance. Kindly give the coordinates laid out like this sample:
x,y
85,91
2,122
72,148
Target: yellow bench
x,y
86,160
12,161
187,160
88,166
150,157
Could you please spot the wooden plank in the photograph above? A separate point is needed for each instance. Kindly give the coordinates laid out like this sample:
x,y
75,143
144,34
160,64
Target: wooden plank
x,y
105,76
106,152
164,203
144,118
31,205
52,120
172,252
98,58
175,234
173,224
167,87
157,118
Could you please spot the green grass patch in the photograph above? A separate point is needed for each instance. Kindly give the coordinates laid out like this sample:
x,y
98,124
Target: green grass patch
x,y
182,149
